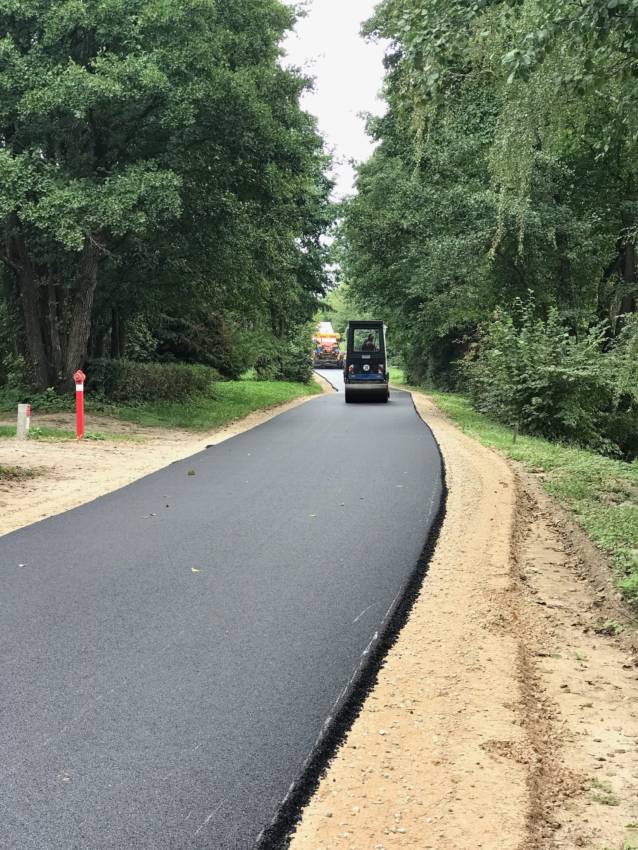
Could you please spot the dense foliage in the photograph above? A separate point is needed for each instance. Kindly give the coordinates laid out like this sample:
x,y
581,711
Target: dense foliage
x,y
133,382
161,191
286,359
539,378
506,164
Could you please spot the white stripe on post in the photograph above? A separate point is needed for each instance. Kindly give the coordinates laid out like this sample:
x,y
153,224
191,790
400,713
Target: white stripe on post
x,y
79,377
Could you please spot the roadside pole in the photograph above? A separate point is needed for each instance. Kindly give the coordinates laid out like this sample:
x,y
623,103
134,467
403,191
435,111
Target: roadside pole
x,y
24,421
79,377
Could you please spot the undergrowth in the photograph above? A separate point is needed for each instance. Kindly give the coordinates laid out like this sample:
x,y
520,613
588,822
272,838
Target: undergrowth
x,y
601,492
225,401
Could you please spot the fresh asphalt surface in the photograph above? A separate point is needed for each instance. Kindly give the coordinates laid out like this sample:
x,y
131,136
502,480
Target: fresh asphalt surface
x,y
333,376
170,651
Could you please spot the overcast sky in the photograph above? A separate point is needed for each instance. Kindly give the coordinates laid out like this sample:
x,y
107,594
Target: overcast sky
x,y
348,73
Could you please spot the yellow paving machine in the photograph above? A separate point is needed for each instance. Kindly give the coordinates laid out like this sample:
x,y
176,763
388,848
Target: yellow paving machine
x,y
327,353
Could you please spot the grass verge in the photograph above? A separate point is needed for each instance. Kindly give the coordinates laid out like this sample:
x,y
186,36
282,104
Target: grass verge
x,y
62,434
601,492
228,400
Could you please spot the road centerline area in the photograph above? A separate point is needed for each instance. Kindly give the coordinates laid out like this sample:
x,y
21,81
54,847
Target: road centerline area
x,y
172,650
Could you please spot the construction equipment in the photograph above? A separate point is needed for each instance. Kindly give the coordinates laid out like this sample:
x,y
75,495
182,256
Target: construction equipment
x,y
327,354
365,372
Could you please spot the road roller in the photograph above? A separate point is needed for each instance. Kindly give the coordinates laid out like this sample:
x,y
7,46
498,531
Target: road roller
x,y
365,368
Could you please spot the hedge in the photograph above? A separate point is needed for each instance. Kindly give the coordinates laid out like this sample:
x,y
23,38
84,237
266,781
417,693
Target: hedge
x,y
130,381
285,360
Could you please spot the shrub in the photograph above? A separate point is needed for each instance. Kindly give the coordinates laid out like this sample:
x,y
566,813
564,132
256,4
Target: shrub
x,y
539,377
285,360
14,372
207,339
622,363
629,584
129,381
141,345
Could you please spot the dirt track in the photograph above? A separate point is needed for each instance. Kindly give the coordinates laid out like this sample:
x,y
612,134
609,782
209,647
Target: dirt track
x,y
501,718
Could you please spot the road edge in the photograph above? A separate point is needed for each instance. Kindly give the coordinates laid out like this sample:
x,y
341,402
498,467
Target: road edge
x,y
351,701
414,756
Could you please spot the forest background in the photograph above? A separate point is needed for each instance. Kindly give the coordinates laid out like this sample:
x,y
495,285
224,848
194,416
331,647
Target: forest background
x,y
494,228
164,198
162,194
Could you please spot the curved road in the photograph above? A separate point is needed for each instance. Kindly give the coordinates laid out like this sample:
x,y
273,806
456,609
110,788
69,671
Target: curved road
x,y
333,376
171,651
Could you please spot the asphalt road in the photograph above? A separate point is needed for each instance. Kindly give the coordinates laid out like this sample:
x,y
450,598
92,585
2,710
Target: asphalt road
x,y
170,652
333,376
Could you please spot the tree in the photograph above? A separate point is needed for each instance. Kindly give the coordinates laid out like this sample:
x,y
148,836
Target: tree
x,y
148,146
506,164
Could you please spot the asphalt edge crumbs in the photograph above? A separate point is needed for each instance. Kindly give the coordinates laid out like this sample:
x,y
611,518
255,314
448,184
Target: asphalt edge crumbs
x,y
349,704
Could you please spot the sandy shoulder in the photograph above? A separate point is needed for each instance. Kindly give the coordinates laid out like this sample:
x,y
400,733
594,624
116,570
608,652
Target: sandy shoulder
x,y
72,473
501,718
415,770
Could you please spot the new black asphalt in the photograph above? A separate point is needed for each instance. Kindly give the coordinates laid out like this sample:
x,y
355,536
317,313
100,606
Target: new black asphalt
x,y
170,652
334,377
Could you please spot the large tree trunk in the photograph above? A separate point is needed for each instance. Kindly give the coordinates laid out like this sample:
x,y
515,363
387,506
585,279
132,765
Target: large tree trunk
x,y
53,327
57,334
33,327
79,326
19,260
118,333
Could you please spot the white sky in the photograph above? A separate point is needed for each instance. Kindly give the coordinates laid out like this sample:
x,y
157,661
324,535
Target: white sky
x,y
348,74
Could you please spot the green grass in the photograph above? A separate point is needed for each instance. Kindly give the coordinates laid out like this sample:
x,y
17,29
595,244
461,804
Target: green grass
x,y
603,793
63,434
15,473
601,492
229,400
38,433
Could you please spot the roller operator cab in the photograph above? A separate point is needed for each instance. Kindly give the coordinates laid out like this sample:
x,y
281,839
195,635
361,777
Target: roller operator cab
x,y
365,370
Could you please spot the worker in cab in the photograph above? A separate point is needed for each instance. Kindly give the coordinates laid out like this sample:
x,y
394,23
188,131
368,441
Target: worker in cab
x,y
369,345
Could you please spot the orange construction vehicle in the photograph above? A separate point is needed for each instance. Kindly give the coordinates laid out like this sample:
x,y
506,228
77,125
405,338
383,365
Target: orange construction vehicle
x,y
327,354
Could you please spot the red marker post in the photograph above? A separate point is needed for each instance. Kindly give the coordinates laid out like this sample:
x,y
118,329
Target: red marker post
x,y
79,379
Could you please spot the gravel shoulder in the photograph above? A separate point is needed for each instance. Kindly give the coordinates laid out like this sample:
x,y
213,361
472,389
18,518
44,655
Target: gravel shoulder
x,y
506,714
